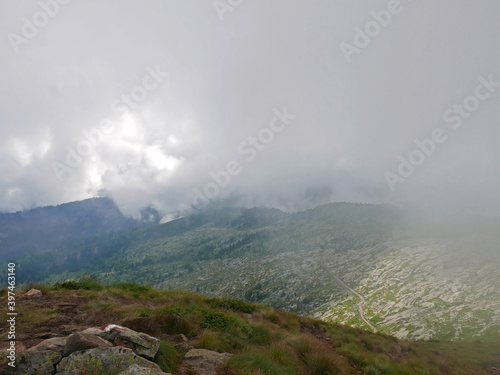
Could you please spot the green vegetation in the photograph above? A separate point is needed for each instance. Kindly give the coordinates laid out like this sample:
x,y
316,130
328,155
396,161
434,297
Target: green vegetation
x,y
87,282
231,304
222,246
166,357
418,289
211,340
265,341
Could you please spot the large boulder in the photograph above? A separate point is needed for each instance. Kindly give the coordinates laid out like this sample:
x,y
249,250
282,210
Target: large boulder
x,y
55,344
99,360
137,370
37,362
141,343
205,362
81,341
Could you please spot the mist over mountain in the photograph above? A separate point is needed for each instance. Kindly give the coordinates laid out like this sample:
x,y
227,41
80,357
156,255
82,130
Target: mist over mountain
x,y
360,128
336,159
412,277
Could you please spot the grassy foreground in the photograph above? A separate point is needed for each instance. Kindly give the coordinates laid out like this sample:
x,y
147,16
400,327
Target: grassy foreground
x,y
264,340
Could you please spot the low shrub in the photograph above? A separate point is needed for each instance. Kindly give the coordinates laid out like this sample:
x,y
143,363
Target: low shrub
x,y
216,320
87,282
231,304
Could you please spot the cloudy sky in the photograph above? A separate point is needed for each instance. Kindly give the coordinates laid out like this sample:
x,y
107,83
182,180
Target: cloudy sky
x,y
278,102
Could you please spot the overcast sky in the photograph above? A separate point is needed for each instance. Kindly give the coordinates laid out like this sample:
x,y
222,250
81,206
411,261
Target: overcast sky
x,y
176,88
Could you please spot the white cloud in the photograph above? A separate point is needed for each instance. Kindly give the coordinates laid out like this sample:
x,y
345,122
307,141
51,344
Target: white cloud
x,y
224,79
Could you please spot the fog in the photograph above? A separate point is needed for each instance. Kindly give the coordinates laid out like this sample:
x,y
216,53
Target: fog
x,y
283,103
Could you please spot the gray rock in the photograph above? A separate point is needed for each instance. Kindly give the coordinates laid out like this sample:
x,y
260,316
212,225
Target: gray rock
x,y
99,360
141,343
137,370
205,362
37,362
97,332
33,293
81,341
55,344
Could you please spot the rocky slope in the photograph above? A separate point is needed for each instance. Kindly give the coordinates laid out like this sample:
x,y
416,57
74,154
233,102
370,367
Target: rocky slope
x,y
65,329
355,264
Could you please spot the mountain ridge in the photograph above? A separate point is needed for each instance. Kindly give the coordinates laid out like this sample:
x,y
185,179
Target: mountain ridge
x,y
40,228
410,287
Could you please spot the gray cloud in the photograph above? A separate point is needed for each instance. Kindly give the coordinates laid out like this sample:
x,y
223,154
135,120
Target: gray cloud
x,y
225,78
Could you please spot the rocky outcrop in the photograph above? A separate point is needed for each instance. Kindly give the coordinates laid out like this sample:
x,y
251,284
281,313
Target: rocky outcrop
x,y
37,362
111,349
137,370
98,360
81,341
92,351
141,343
55,344
205,362
143,324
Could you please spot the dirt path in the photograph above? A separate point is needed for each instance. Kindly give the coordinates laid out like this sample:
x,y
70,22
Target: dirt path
x,y
361,300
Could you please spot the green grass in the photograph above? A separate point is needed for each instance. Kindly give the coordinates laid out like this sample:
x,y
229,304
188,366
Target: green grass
x,y
259,335
212,340
86,282
231,304
270,341
255,362
166,357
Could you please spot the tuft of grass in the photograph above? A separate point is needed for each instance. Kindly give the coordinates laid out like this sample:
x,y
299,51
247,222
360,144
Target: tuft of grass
x,y
368,344
257,363
354,354
281,354
214,341
166,357
259,335
316,357
286,320
371,370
